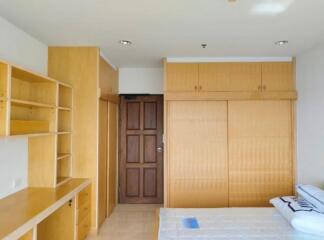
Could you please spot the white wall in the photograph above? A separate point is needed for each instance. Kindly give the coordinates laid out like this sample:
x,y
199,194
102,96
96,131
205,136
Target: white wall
x,y
140,80
13,165
310,117
22,49
19,48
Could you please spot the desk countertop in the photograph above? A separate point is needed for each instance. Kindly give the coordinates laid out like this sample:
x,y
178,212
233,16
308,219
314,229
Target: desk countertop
x,y
23,210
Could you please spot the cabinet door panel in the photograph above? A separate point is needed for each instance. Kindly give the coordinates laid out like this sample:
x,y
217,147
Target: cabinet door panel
x,y
182,77
260,152
229,76
278,76
197,154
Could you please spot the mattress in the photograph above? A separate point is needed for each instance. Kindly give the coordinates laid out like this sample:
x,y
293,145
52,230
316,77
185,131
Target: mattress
x,y
228,224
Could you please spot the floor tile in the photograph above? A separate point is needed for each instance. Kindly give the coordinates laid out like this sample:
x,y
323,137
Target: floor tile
x,y
129,222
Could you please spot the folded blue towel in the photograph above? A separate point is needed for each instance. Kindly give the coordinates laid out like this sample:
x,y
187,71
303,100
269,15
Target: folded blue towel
x,y
191,223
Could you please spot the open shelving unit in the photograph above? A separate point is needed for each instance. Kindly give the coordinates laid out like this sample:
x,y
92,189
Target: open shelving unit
x,y
40,108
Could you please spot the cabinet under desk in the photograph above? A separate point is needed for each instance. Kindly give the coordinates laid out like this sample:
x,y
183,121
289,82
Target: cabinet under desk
x,y
31,213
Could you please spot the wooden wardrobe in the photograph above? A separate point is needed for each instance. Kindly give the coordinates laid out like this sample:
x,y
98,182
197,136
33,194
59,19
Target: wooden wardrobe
x,y
229,133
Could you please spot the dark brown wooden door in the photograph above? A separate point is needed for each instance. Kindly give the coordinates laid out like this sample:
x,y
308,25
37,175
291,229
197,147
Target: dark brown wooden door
x,y
141,149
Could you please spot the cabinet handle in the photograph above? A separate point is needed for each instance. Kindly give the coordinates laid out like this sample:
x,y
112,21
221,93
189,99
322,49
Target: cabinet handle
x,y
196,88
264,87
200,88
259,87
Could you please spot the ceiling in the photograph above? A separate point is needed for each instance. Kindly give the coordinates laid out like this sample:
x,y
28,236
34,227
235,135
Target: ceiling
x,y
172,28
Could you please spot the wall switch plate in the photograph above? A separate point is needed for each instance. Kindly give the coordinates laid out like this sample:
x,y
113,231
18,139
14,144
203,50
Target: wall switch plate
x,y
17,183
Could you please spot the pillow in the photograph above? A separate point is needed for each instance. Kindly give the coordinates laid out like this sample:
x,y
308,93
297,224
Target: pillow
x,y
289,206
312,194
301,214
311,222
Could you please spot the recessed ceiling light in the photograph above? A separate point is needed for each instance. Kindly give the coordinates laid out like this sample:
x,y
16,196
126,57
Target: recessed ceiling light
x,y
271,7
125,42
281,43
204,45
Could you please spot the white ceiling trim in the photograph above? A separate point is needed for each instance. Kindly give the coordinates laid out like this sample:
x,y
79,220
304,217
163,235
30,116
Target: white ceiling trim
x,y
228,59
108,61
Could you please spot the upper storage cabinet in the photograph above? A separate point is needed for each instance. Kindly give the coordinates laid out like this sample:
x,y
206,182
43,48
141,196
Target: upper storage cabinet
x,y
181,77
108,79
229,77
278,76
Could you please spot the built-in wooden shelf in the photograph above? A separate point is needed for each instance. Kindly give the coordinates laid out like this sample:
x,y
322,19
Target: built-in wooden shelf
x,y
40,108
30,103
62,180
63,155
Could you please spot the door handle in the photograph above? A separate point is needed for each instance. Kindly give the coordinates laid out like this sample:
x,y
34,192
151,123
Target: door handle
x,y
159,149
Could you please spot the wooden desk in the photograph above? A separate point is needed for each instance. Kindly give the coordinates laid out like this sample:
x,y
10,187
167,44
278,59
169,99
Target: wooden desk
x,y
22,211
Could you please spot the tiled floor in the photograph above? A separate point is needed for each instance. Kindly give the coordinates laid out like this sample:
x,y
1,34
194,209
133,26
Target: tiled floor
x,y
129,222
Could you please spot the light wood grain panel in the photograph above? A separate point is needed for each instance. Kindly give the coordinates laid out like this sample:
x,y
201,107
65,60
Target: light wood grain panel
x,y
83,213
59,225
197,154
229,76
65,96
27,112
3,118
223,96
64,121
4,80
181,77
41,161
40,92
112,156
260,155
108,78
102,183
18,127
278,76
79,67
83,228
63,168
27,75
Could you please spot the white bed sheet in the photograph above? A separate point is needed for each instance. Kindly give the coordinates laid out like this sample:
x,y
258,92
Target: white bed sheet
x,y
228,224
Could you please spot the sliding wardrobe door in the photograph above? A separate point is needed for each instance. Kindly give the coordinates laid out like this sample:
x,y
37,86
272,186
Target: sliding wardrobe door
x,y
260,151
197,154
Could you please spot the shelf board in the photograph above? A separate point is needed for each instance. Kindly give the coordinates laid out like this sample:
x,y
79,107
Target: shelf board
x,y
29,76
62,180
64,108
29,135
21,127
30,103
63,155
63,133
